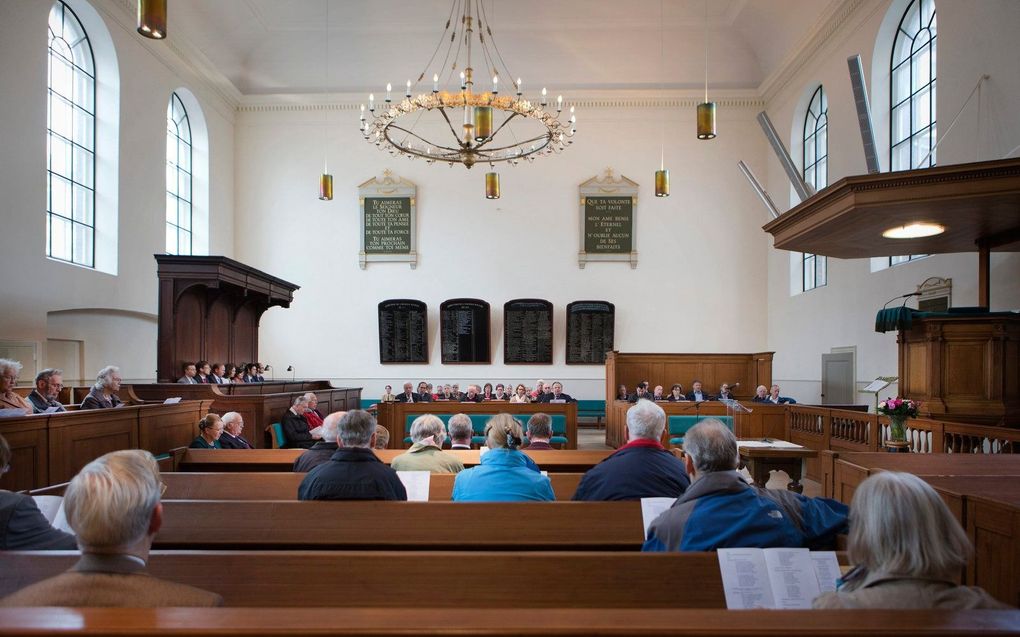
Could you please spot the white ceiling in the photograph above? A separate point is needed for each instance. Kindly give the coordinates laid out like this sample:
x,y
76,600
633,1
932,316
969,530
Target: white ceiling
x,y
279,46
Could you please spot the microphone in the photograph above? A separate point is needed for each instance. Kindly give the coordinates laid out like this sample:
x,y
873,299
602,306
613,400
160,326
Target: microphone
x,y
902,296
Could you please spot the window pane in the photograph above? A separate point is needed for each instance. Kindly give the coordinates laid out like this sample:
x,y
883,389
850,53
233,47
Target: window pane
x,y
60,116
60,156
184,215
82,212
171,150
184,182
809,271
920,145
83,123
83,163
900,84
60,196
922,109
60,240
171,208
171,179
84,87
184,242
821,173
901,156
171,239
821,274
921,62
82,244
184,156
901,122
61,73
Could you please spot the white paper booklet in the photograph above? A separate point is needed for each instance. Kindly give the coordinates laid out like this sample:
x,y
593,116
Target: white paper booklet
x,y
777,578
172,401
416,483
652,508
52,508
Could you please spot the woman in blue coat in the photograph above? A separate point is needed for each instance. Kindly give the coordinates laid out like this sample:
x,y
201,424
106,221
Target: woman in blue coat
x,y
505,474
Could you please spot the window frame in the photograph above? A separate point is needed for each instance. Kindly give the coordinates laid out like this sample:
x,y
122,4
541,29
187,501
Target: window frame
x,y
909,101
176,103
51,135
814,269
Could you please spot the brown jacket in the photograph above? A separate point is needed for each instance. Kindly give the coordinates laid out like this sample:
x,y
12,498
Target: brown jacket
x,y
11,400
894,592
110,580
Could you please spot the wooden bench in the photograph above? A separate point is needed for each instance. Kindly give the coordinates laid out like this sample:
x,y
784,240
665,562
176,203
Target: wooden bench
x,y
505,620
254,460
284,486
375,525
395,579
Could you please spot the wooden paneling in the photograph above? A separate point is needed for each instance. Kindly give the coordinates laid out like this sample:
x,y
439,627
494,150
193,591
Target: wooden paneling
x,y
764,421
77,439
220,317
167,427
994,529
27,437
244,336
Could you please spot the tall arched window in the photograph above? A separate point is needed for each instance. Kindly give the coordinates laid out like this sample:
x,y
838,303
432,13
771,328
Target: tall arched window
x,y
912,89
816,161
178,179
71,141
912,94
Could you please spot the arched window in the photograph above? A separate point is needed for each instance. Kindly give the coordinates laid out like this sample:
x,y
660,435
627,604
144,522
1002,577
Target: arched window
x,y
912,94
816,155
178,179
912,89
71,141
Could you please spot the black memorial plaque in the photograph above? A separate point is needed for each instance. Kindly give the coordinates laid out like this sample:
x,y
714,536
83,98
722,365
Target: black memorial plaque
x,y
387,225
590,326
608,224
464,331
527,332
403,331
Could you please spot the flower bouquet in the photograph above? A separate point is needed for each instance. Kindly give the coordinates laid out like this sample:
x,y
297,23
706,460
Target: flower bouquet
x,y
898,410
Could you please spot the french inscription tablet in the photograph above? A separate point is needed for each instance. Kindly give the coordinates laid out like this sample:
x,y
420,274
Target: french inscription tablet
x,y
590,327
608,224
527,331
464,331
403,331
387,225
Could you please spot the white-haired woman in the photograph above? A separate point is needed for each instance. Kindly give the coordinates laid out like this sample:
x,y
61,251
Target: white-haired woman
x,y
9,371
104,393
908,548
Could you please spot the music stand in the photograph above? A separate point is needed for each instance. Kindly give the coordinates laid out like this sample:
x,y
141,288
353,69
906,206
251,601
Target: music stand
x,y
733,408
878,385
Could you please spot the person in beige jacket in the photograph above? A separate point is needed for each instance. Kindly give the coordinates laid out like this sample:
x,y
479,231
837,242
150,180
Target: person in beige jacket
x,y
426,453
113,506
908,548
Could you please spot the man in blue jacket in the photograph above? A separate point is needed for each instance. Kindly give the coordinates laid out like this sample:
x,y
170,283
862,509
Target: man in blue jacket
x,y
642,468
721,510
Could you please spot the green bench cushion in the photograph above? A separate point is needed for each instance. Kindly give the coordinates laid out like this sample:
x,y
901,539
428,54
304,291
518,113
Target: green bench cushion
x,y
680,425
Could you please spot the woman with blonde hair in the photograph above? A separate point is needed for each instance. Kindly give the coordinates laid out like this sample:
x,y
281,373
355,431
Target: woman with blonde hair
x,y
9,399
210,429
908,548
505,474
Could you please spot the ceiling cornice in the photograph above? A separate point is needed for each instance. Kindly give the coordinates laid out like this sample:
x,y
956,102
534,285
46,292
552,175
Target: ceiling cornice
x,y
834,21
179,55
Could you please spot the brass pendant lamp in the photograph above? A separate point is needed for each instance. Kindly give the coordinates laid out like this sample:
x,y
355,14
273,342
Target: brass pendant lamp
x,y
152,18
326,179
706,110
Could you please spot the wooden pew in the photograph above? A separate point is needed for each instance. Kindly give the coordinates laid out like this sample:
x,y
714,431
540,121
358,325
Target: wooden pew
x,y
219,460
464,526
505,620
284,486
52,448
260,404
764,421
358,578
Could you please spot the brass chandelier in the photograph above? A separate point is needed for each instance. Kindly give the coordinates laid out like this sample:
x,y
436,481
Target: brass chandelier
x,y
464,126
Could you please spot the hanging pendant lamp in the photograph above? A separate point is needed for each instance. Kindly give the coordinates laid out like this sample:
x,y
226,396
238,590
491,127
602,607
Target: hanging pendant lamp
x,y
152,18
706,110
492,186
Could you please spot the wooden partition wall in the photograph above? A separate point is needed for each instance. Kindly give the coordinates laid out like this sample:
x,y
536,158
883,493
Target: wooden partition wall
x,y
260,404
764,421
52,448
209,309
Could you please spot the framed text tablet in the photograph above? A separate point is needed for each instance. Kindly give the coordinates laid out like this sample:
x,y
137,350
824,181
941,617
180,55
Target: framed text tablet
x,y
389,221
528,332
403,331
590,327
464,331
607,220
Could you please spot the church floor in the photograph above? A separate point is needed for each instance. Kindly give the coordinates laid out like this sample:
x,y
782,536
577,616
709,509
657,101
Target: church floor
x,y
589,438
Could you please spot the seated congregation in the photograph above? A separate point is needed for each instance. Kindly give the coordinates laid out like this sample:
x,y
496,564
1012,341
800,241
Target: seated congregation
x,y
114,508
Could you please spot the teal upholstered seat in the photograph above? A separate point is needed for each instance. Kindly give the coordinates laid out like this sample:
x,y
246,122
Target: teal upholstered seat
x,y
680,425
279,440
591,409
559,428
409,420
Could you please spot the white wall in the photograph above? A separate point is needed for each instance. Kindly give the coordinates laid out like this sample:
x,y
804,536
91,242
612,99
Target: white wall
x,y
33,285
699,285
973,38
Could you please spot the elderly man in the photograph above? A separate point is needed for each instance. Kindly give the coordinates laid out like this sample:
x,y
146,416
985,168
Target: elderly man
x,y
721,510
472,395
776,399
354,472
113,506
312,414
322,450
539,432
426,453
555,393
461,431
295,428
408,395
22,526
231,438
104,392
219,371
642,468
190,371
761,394
382,437
48,384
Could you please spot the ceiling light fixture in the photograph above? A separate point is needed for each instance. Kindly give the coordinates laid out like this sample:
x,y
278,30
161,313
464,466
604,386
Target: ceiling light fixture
x,y
914,231
490,126
152,18
326,179
661,175
706,110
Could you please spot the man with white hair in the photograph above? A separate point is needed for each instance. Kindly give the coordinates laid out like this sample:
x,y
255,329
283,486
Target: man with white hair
x,y
354,472
296,432
642,468
231,438
461,431
721,510
113,506
426,452
322,450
